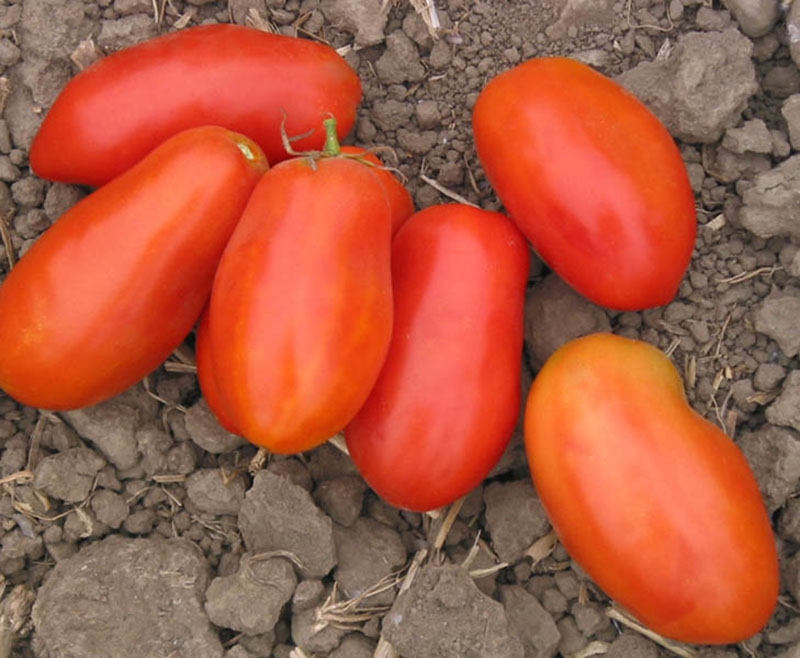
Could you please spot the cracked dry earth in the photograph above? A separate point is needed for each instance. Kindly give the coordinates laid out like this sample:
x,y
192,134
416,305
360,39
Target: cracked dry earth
x,y
133,529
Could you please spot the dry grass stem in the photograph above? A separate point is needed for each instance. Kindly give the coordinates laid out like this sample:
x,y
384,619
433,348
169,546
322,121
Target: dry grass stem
x,y
672,347
175,366
442,189
8,245
158,398
15,614
168,478
256,20
254,558
488,571
258,461
385,650
657,28
690,372
447,524
352,614
297,652
542,548
86,54
595,648
746,276
14,477
338,442
427,9
184,19
678,649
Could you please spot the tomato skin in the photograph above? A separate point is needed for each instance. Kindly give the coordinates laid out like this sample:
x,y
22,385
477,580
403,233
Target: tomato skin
x,y
656,503
116,284
400,201
592,178
207,378
116,111
447,399
301,310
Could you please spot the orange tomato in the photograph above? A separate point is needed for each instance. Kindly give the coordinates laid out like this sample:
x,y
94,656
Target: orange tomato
x,y
656,503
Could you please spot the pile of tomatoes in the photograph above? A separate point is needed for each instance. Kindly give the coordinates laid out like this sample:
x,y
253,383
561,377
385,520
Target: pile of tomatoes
x,y
324,303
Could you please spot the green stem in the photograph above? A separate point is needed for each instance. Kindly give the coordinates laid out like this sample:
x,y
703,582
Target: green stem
x,y
332,146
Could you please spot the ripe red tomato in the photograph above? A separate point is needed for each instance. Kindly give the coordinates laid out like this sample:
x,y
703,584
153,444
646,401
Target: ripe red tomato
x,y
447,399
117,282
656,503
592,178
301,310
206,377
400,201
116,111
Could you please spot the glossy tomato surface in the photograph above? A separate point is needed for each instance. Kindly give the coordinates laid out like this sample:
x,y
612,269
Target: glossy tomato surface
x,y
115,285
447,399
207,378
400,201
301,310
592,178
656,503
117,110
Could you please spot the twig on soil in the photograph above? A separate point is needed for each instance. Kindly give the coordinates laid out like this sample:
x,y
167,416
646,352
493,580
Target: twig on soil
x,y
447,524
15,613
643,26
442,189
352,614
746,276
595,648
158,398
427,9
258,461
7,244
669,645
254,558
385,650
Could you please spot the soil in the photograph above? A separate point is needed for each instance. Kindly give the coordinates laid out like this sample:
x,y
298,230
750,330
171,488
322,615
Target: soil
x,y
135,529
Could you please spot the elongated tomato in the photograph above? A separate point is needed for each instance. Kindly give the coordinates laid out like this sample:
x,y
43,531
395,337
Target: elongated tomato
x,y
447,399
656,503
106,294
592,178
116,111
301,310
207,378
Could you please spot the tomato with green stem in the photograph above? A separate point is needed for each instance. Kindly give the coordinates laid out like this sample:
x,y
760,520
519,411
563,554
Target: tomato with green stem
x,y
113,113
447,399
301,309
656,503
117,283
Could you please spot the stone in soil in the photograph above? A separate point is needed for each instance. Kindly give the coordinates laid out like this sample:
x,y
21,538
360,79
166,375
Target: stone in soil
x,y
69,475
533,624
444,615
774,455
279,515
778,316
755,17
785,411
128,598
205,431
366,19
368,552
515,518
772,203
702,88
211,493
555,314
632,645
250,601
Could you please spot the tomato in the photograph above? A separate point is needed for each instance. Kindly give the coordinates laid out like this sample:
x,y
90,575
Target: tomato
x,y
592,178
400,201
207,378
656,503
117,110
301,309
115,285
447,399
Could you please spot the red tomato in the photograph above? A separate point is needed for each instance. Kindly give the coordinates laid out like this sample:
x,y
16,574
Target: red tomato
x,y
400,201
116,111
301,310
207,378
592,178
447,399
116,284
656,503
